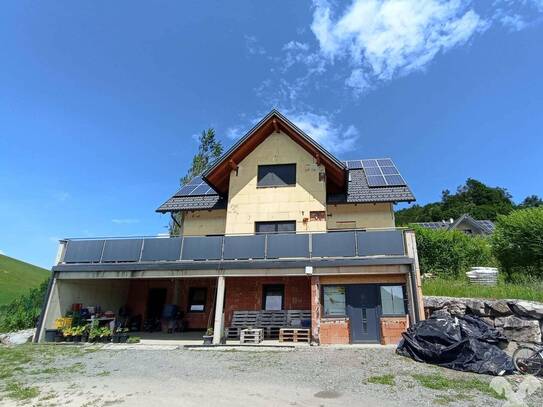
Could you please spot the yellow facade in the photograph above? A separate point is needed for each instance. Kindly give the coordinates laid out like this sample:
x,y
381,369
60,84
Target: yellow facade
x,y
360,216
202,223
248,203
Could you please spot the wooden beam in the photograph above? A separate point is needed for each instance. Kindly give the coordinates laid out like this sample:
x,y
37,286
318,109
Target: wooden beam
x,y
275,125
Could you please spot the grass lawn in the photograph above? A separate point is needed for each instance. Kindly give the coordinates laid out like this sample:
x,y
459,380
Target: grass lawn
x,y
532,291
17,277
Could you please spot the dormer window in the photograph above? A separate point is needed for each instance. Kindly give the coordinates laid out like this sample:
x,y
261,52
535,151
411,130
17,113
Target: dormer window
x,y
276,175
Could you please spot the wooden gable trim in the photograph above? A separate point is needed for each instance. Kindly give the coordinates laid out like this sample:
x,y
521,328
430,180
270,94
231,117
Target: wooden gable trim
x,y
219,175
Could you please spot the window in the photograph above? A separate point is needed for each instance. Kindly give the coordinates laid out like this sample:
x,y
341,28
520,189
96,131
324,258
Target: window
x,y
334,300
392,300
275,227
197,299
277,175
272,297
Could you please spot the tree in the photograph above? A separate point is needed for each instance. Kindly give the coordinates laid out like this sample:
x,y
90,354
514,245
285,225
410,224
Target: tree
x,y
517,242
532,201
474,197
208,151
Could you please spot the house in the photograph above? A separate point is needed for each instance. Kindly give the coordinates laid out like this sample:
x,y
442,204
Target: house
x,y
464,223
277,223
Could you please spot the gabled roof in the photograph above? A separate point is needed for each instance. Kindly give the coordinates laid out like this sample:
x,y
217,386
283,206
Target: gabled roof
x,y
483,226
345,183
218,175
358,191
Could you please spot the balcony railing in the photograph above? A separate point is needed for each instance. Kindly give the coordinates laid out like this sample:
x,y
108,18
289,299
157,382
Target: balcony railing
x,y
315,245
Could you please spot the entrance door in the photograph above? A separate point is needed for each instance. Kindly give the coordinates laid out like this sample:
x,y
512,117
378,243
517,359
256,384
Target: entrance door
x,y
156,300
363,312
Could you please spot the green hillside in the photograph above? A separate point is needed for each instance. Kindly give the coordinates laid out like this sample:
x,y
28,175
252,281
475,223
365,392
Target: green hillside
x,y
17,277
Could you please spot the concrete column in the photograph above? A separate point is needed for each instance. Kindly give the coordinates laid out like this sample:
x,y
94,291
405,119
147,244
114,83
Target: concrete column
x,y
50,310
315,308
175,296
61,251
411,246
218,326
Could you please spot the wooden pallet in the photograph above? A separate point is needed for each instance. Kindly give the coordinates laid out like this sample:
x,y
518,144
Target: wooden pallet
x,y
294,335
251,336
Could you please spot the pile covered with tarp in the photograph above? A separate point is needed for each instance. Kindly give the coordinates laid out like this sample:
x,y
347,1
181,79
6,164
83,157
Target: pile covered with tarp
x,y
461,343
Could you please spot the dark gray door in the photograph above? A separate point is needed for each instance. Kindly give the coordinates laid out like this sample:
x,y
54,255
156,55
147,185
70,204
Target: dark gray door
x,y
363,312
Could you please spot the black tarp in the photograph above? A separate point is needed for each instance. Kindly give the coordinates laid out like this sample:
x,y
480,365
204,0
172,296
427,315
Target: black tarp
x,y
461,343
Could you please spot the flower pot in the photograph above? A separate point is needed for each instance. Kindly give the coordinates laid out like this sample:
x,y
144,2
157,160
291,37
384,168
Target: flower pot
x,y
59,337
77,338
84,338
69,338
208,339
123,338
116,338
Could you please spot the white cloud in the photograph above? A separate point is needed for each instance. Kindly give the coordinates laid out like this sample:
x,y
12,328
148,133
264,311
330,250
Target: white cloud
x,y
384,39
368,42
235,132
125,221
253,46
336,139
2,252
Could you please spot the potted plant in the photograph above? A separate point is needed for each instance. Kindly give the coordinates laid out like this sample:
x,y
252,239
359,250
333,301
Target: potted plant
x,y
123,335
77,332
85,333
105,334
208,337
94,334
68,334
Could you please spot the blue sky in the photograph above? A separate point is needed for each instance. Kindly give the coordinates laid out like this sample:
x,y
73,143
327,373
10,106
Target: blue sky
x,y
100,101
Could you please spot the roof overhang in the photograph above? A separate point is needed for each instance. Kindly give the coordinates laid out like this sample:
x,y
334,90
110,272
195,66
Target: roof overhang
x,y
218,175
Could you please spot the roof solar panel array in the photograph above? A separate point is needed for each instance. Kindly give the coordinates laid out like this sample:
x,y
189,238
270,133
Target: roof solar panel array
x,y
379,172
196,187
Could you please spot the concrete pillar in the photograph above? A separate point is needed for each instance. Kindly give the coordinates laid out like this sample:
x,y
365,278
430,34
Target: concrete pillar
x,y
50,311
218,326
175,296
61,251
315,308
411,246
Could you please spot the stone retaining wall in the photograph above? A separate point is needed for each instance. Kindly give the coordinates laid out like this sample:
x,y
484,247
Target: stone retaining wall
x,y
519,321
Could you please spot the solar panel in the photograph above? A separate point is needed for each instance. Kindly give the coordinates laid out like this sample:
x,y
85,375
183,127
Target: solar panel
x,y
354,164
382,172
196,187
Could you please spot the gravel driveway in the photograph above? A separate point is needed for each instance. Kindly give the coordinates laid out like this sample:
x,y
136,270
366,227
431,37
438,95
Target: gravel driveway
x,y
317,376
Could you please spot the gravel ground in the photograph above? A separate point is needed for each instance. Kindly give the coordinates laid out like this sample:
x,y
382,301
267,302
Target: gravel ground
x,y
317,376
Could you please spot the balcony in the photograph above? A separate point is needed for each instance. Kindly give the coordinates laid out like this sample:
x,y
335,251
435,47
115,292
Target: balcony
x,y
276,250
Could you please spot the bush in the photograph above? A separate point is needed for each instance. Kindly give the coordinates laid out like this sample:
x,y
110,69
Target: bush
x,y
451,253
517,242
23,312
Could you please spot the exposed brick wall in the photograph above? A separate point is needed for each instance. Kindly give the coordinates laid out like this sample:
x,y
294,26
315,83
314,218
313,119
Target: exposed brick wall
x,y
139,289
245,293
334,332
392,328
315,308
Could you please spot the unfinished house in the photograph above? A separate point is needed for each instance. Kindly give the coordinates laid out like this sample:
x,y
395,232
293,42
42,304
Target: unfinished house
x,y
277,234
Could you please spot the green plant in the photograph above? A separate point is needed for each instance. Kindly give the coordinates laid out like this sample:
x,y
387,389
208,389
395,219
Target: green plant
x,y
209,332
104,332
134,339
386,379
68,331
439,382
451,253
17,391
79,330
94,333
517,242
23,312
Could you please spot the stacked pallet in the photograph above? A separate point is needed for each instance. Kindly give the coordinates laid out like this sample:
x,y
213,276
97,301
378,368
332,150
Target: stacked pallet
x,y
294,335
241,320
253,336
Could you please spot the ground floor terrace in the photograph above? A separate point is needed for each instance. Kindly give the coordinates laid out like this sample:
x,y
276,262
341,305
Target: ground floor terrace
x,y
367,304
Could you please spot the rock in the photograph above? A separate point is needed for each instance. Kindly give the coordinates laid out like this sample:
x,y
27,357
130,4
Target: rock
x,y
518,329
527,309
456,307
17,338
441,313
499,308
434,302
488,321
477,307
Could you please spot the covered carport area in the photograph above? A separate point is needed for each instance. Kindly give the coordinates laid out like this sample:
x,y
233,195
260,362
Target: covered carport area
x,y
159,308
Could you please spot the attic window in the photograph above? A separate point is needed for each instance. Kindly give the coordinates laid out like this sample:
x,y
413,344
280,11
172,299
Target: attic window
x,y
276,175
